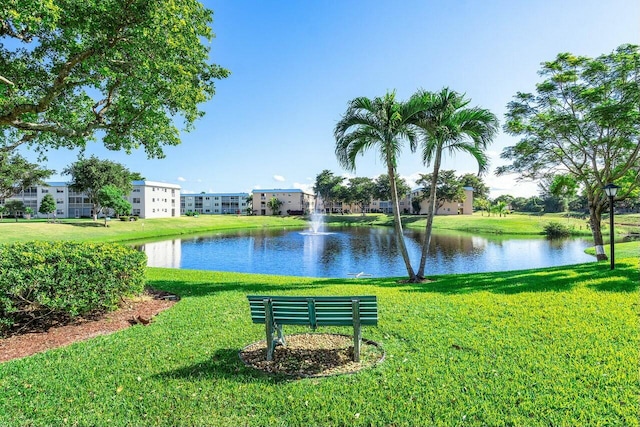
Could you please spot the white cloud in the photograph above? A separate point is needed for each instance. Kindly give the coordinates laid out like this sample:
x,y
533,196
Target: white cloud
x,y
411,179
278,178
507,184
182,179
303,187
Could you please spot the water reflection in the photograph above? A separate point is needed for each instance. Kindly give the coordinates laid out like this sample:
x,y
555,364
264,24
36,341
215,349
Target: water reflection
x,y
358,249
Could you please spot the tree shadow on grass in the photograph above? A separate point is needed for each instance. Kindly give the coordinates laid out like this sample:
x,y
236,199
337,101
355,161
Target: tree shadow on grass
x,y
224,363
597,276
200,289
86,224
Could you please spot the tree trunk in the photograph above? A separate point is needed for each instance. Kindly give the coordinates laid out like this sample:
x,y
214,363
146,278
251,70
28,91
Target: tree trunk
x,y
595,216
95,212
431,210
398,225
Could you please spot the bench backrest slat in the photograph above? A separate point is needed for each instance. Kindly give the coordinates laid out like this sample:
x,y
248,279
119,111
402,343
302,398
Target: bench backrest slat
x,y
328,310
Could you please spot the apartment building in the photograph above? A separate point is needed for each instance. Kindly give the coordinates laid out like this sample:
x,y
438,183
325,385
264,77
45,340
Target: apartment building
x,y
214,203
292,202
464,207
149,199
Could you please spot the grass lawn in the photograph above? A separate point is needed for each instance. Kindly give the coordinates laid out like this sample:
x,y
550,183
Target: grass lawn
x,y
479,223
555,346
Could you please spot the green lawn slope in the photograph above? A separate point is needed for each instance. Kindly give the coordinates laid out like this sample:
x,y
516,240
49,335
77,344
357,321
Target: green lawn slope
x,y
555,346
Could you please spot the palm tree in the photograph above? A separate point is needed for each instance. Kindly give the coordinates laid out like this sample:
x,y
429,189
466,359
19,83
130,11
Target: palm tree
x,y
274,204
447,124
501,208
382,124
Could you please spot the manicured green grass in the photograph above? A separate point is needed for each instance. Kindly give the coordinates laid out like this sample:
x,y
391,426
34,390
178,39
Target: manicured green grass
x,y
479,223
87,230
555,346
623,250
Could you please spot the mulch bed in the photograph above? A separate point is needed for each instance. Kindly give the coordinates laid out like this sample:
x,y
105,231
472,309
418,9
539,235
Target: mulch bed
x,y
25,340
312,355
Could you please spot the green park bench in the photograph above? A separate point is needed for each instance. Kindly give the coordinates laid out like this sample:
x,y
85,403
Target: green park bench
x,y
276,311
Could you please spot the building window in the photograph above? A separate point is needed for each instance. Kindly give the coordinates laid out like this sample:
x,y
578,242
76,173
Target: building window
x,y
59,190
44,190
136,200
60,201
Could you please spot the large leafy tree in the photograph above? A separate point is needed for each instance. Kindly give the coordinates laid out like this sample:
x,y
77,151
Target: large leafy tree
x,y
381,124
450,125
583,121
480,189
360,192
328,187
126,68
449,187
382,187
16,174
90,175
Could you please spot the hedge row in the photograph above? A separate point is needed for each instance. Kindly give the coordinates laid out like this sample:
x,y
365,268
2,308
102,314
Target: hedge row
x,y
40,279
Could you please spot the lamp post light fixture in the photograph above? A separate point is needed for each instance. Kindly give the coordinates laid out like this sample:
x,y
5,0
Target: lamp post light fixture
x,y
611,190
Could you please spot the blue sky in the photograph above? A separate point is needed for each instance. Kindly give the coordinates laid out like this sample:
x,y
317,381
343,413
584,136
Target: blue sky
x,y
296,64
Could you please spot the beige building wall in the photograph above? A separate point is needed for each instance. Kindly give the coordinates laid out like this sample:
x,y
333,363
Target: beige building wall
x,y
294,202
449,208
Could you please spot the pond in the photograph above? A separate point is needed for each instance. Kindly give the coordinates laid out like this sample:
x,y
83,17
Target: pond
x,y
349,251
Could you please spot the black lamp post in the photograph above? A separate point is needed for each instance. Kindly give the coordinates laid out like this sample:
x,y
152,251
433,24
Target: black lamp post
x,y
611,190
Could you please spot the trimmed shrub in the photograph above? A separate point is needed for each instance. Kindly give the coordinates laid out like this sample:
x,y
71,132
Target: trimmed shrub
x,y
124,218
555,229
53,279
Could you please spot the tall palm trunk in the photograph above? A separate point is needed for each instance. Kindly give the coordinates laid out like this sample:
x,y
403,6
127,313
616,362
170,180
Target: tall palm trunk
x,y
431,211
398,225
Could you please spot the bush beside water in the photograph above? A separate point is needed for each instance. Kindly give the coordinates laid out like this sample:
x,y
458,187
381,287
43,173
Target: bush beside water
x,y
556,229
41,280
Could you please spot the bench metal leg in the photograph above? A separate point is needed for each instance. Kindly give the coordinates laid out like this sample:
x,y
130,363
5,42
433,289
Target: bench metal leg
x,y
357,333
272,329
280,339
268,324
